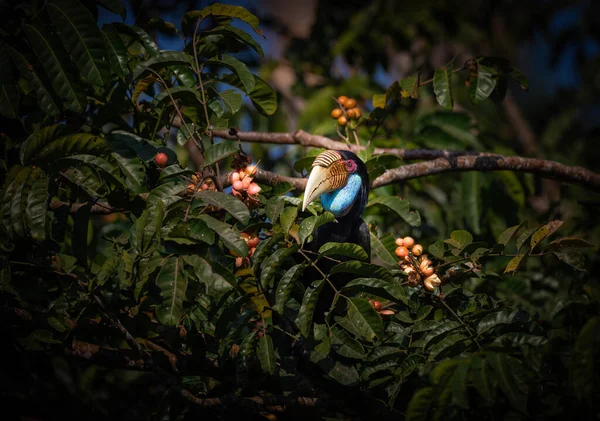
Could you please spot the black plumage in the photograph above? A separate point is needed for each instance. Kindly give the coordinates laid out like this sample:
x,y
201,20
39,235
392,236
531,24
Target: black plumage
x,y
349,228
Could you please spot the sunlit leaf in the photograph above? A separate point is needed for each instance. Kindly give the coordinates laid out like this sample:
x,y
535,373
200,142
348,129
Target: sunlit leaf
x,y
442,87
353,251
310,224
286,286
218,151
234,206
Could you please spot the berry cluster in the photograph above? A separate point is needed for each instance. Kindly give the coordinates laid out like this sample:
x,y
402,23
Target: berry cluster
x,y
241,181
207,184
379,308
241,178
416,264
349,110
251,242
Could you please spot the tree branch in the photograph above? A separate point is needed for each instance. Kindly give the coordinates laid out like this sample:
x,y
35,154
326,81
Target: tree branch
x,y
306,139
482,163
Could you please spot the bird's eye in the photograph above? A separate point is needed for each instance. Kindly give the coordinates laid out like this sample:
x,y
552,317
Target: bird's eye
x,y
350,166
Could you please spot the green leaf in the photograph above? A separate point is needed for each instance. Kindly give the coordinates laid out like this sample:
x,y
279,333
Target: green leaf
x,y
543,232
573,259
506,236
492,320
266,354
524,236
442,87
420,404
161,60
440,330
231,237
117,52
263,249
15,199
444,344
64,84
363,318
45,95
79,143
190,232
310,224
346,346
471,200
190,18
173,285
401,207
168,193
9,101
377,287
138,35
482,83
37,205
517,339
410,86
569,242
287,218
218,151
482,378
501,365
239,35
234,206
362,269
354,251
239,69
132,168
307,308
379,249
263,97
272,263
286,286
82,38
520,78
513,186
460,239
437,249
273,208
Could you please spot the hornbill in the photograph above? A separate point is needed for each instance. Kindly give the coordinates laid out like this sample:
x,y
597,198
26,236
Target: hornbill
x,y
341,180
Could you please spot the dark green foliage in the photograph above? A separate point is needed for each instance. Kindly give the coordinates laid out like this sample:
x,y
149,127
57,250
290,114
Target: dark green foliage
x,y
140,297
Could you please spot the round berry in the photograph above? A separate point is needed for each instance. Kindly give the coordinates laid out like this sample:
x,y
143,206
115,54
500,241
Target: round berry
x,y
342,100
342,121
358,113
254,189
238,185
336,113
401,251
376,305
191,188
428,271
234,176
409,242
417,250
399,242
350,103
161,159
351,113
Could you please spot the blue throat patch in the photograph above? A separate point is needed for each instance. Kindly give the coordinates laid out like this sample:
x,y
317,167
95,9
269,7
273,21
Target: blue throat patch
x,y
339,201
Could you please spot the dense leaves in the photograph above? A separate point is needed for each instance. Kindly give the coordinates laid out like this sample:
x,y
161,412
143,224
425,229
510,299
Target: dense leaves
x,y
112,257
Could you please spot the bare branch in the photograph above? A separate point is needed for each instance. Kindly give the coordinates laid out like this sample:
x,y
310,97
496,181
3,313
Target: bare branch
x,y
306,139
483,163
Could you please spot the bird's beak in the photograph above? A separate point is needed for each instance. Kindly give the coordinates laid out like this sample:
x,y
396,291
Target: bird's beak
x,y
328,173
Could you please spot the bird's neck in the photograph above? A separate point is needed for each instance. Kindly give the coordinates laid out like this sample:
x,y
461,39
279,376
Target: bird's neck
x,y
341,202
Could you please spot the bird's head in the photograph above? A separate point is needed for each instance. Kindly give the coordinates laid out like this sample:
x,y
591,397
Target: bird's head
x,y
341,179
